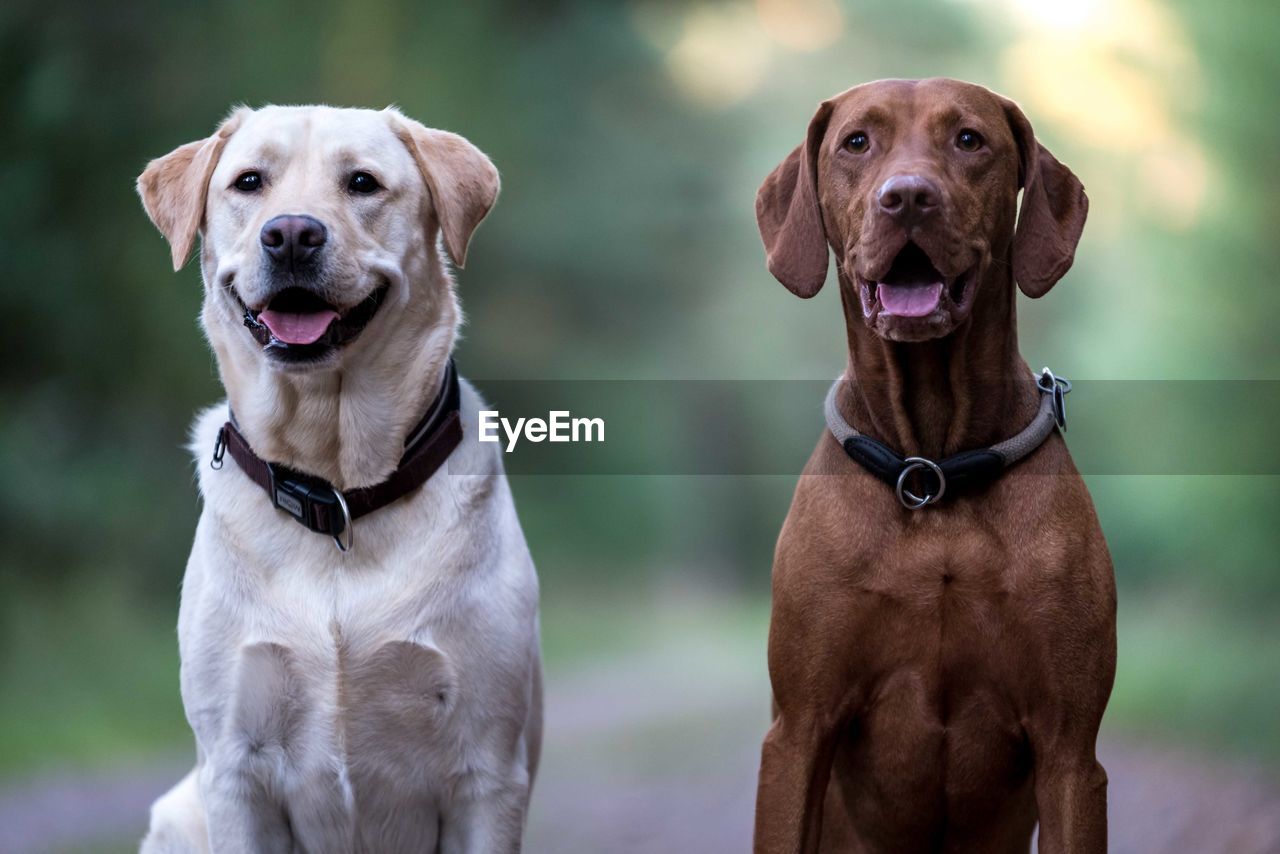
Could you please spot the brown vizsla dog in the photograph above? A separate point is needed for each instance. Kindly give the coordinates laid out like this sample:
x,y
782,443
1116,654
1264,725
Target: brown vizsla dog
x,y
939,676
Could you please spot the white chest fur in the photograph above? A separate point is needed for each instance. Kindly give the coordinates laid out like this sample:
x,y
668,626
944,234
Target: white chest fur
x,y
365,693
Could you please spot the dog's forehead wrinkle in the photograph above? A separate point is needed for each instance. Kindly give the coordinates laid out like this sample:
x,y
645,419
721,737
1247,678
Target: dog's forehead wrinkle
x,y
325,123
889,101
252,151
943,118
383,154
874,116
345,140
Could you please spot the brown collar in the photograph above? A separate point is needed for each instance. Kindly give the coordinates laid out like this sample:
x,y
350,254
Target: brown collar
x,y
316,504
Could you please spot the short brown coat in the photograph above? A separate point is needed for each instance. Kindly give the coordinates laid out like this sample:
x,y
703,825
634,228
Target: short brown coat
x,y
939,676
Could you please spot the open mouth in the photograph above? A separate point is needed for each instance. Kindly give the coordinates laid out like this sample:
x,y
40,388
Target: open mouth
x,y
296,325
913,287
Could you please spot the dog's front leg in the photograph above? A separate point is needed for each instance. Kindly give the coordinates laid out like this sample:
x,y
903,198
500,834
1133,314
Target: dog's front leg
x,y
1070,784
814,695
1062,726
242,818
795,766
489,821
1071,794
246,742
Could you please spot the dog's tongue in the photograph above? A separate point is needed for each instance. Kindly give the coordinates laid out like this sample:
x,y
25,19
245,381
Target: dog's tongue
x,y
910,300
294,328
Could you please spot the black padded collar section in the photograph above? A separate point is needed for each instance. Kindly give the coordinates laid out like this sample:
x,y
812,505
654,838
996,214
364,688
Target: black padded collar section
x,y
965,470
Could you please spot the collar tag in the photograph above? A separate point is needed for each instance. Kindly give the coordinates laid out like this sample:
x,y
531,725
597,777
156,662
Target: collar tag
x,y
288,502
311,502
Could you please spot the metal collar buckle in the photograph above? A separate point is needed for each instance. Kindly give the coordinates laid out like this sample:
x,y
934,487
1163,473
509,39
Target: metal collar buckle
x,y
219,449
1059,387
909,499
306,501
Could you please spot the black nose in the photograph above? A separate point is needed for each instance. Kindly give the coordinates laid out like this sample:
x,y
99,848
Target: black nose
x,y
908,198
292,239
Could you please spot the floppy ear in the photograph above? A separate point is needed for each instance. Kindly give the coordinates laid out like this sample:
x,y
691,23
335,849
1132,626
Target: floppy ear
x,y
1052,215
790,218
174,188
462,180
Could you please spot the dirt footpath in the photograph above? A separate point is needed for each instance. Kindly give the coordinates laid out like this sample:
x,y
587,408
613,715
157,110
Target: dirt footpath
x,y
657,755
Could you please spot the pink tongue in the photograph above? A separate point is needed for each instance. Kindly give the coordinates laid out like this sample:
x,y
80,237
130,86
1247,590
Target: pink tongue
x,y
910,300
294,328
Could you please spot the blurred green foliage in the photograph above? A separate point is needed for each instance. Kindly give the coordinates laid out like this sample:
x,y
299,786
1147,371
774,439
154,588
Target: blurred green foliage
x,y
631,138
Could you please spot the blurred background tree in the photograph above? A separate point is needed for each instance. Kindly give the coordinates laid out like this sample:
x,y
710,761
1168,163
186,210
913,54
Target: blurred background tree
x,y
631,138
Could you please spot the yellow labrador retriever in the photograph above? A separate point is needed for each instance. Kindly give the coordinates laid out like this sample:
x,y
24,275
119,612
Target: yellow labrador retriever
x,y
369,679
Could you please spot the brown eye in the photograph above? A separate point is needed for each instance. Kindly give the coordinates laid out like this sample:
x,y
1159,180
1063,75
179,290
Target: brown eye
x,y
968,140
857,142
248,182
364,183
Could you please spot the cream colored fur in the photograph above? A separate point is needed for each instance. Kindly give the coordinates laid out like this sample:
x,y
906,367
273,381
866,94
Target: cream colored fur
x,y
387,699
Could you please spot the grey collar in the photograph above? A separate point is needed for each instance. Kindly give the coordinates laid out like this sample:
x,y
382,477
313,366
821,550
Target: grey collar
x,y
967,468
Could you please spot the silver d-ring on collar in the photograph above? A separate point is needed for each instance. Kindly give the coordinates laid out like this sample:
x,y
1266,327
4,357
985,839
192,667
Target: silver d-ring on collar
x,y
909,499
1058,388
348,527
